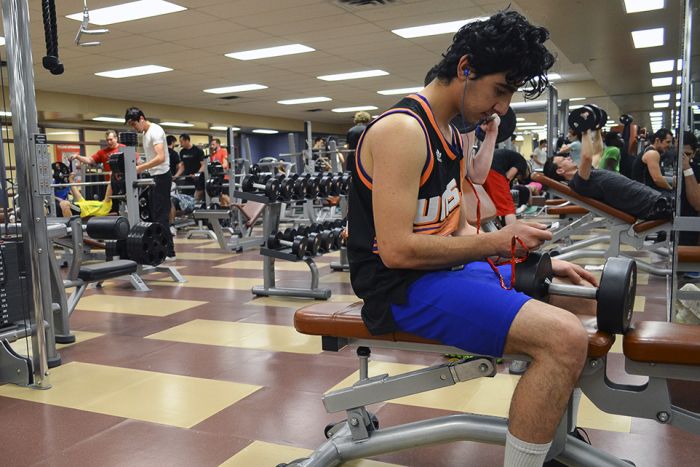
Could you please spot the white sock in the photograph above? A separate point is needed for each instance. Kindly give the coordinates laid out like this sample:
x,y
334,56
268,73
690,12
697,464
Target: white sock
x,y
575,401
522,454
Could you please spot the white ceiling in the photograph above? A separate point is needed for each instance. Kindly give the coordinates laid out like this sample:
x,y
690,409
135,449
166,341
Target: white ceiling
x,y
591,38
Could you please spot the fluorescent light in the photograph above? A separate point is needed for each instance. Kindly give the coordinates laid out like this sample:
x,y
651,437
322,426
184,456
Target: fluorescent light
x,y
391,92
237,88
304,100
553,76
2,41
679,64
519,119
656,114
263,131
177,124
661,97
635,6
526,124
223,128
109,119
574,99
679,80
278,51
128,12
661,66
648,38
660,105
657,82
434,29
354,109
353,75
134,71
4,113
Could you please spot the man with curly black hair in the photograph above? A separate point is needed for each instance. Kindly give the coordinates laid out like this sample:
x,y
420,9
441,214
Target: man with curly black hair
x,y
417,264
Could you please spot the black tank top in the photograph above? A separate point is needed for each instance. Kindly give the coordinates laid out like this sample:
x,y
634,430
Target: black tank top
x,y
437,213
640,171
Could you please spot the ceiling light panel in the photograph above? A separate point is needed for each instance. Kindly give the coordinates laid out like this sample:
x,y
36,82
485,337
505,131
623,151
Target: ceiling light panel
x,y
661,97
635,6
648,38
264,131
236,88
353,75
662,66
268,52
177,124
109,119
354,109
304,100
391,92
134,71
658,82
434,29
129,12
223,128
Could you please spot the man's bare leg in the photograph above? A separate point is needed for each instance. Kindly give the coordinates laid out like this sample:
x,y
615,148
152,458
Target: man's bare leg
x,y
557,343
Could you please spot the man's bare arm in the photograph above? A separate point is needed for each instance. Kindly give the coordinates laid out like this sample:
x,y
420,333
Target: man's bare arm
x,y
159,159
394,155
653,161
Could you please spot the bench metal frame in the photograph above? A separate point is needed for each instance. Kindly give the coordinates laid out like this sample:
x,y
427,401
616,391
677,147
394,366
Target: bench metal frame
x,y
357,438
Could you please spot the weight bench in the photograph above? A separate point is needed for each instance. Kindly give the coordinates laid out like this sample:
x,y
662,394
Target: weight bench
x,y
622,229
88,274
658,350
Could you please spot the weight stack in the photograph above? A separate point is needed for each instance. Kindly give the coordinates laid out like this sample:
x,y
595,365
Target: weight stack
x,y
15,285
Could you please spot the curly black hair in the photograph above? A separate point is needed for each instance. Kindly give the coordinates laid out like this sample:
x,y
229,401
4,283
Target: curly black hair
x,y
506,42
550,170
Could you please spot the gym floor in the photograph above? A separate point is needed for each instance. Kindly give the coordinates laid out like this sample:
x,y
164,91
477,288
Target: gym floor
x,y
204,374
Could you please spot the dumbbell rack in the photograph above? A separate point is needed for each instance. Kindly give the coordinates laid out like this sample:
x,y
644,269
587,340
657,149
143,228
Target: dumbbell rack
x,y
343,264
271,221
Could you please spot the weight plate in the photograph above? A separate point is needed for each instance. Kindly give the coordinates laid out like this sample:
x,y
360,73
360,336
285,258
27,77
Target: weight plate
x,y
616,294
532,275
505,128
582,119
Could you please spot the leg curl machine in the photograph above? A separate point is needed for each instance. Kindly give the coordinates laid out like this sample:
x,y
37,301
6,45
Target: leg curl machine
x,y
658,350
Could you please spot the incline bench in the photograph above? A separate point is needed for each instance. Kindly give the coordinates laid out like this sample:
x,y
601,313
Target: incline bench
x,y
658,350
622,227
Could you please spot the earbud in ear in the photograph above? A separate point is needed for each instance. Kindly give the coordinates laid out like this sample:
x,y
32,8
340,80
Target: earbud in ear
x,y
466,72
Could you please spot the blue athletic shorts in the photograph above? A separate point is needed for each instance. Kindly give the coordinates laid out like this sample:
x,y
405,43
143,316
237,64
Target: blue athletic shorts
x,y
467,308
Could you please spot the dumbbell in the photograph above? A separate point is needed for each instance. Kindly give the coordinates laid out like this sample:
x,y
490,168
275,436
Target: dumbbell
x,y
314,243
270,187
587,117
325,240
615,294
299,244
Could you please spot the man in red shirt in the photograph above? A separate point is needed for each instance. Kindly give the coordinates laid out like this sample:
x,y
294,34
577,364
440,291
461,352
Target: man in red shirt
x,y
102,156
217,153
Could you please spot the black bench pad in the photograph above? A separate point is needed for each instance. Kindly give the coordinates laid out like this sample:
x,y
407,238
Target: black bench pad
x,y
108,270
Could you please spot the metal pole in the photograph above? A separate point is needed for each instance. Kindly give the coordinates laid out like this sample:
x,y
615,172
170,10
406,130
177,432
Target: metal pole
x,y
307,156
552,117
129,139
230,147
30,161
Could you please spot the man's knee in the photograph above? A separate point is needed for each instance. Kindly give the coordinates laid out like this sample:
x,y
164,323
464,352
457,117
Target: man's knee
x,y
569,341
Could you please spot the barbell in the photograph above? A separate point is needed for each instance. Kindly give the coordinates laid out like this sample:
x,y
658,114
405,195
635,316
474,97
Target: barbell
x,y
615,294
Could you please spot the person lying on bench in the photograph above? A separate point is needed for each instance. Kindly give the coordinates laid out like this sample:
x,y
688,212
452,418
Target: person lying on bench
x,y
611,188
86,207
411,258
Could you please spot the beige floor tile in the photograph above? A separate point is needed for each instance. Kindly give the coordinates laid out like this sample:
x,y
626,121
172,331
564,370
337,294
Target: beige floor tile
x,y
337,277
485,396
209,246
279,265
617,346
135,305
193,241
245,335
639,303
262,453
292,302
196,255
175,400
24,347
211,282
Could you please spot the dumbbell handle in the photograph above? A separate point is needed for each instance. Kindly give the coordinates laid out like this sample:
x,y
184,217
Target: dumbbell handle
x,y
569,290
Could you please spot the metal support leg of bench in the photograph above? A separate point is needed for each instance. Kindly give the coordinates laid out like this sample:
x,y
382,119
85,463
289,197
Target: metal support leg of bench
x,y
201,232
582,244
138,283
14,368
342,264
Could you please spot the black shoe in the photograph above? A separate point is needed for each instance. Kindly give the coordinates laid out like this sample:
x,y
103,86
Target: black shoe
x,y
579,433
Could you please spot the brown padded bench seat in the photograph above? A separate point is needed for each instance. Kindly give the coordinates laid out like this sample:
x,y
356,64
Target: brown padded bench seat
x,y
345,321
688,254
554,202
648,225
661,342
561,188
564,210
